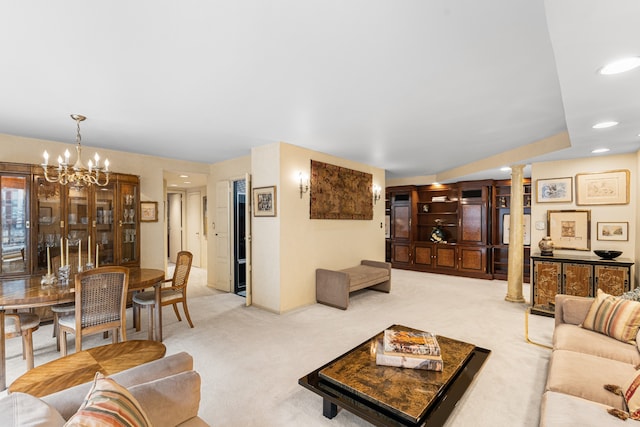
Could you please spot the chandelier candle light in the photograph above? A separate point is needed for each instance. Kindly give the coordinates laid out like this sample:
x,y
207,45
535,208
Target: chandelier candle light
x,y
77,175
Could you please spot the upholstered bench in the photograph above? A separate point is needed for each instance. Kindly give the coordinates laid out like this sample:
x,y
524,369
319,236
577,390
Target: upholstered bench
x,y
333,287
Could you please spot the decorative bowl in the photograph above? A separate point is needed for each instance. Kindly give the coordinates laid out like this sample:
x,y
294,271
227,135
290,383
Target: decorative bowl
x,y
608,254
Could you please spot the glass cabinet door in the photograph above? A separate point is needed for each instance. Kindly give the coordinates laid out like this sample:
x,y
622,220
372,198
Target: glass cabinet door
x,y
129,250
104,225
77,227
48,207
14,192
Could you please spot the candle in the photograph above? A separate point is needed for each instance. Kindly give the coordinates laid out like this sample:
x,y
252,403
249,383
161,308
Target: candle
x,y
79,254
48,262
97,256
89,251
66,257
61,252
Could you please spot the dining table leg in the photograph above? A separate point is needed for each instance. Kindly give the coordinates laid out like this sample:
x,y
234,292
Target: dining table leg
x,y
3,361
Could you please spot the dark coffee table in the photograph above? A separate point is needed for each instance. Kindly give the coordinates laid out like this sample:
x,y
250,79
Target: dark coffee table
x,y
389,396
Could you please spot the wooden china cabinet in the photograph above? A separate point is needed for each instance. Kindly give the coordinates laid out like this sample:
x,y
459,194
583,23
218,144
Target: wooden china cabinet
x,y
441,228
37,214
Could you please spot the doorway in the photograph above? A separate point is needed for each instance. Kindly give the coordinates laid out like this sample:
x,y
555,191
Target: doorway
x,y
239,235
174,225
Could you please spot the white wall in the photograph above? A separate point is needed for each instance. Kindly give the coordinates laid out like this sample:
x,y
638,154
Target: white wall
x,y
599,213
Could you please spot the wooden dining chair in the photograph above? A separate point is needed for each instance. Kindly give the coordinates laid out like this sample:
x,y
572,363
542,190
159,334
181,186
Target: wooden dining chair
x,y
22,325
170,295
101,294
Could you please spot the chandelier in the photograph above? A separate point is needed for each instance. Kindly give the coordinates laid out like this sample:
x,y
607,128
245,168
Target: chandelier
x,y
77,175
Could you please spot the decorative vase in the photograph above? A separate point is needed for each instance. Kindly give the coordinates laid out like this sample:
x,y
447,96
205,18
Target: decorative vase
x,y
546,246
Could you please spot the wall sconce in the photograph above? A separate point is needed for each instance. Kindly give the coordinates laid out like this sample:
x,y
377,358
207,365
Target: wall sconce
x,y
304,184
376,193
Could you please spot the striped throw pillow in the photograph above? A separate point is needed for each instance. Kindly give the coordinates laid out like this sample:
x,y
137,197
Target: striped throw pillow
x,y
108,404
632,396
613,316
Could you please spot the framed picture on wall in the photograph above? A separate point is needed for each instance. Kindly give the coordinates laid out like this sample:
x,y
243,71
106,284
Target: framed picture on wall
x,y
264,201
554,190
570,229
526,225
613,231
149,211
606,188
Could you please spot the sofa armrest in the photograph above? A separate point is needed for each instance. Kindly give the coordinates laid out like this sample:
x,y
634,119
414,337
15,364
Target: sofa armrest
x,y
378,264
171,400
67,401
571,309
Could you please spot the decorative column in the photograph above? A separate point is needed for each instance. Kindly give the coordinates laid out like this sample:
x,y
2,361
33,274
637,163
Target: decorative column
x,y
516,237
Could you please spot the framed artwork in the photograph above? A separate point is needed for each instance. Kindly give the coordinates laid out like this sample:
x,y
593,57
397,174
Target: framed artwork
x,y
149,211
264,201
613,231
527,229
605,188
570,229
554,190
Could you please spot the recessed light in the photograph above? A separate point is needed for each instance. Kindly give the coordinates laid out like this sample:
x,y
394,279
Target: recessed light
x,y
173,185
187,182
505,169
604,125
599,150
184,176
621,65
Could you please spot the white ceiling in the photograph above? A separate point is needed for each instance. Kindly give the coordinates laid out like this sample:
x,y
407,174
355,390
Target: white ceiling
x,y
415,87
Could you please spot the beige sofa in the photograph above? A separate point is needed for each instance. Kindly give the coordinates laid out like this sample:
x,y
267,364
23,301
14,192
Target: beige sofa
x,y
168,390
334,286
582,362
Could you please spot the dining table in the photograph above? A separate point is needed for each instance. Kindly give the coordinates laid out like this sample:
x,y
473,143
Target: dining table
x,y
29,292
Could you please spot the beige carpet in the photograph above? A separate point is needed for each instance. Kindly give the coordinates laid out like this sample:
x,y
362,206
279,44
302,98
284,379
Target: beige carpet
x,y
250,360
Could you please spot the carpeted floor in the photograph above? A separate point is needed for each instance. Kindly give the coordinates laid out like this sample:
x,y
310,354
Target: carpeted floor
x,y
250,360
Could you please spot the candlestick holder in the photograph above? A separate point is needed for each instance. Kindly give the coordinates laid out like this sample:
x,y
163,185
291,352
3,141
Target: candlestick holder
x,y
63,275
88,266
49,279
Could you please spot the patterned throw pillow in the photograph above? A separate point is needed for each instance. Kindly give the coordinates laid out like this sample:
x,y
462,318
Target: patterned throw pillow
x,y
613,316
108,404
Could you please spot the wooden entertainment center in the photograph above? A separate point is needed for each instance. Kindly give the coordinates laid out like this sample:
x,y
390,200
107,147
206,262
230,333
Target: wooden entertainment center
x,y
453,228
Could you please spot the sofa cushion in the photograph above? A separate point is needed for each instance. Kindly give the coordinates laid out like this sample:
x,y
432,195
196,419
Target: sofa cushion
x,y
21,409
575,338
171,400
584,375
614,316
559,409
108,404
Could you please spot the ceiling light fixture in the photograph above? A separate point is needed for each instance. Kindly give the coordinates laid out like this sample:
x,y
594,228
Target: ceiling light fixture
x,y
604,125
77,175
505,169
599,150
620,66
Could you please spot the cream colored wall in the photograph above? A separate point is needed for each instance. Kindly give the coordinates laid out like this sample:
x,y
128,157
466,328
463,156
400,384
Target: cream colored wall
x,y
609,213
266,243
148,168
228,170
307,244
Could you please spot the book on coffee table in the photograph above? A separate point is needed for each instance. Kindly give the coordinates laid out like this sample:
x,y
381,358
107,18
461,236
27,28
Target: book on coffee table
x,y
426,362
410,343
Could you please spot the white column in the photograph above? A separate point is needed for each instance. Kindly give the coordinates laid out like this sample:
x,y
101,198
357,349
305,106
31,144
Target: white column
x,y
516,237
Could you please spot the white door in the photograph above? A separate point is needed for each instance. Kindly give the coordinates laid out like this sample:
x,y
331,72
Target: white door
x,y
221,235
194,226
247,229
175,225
